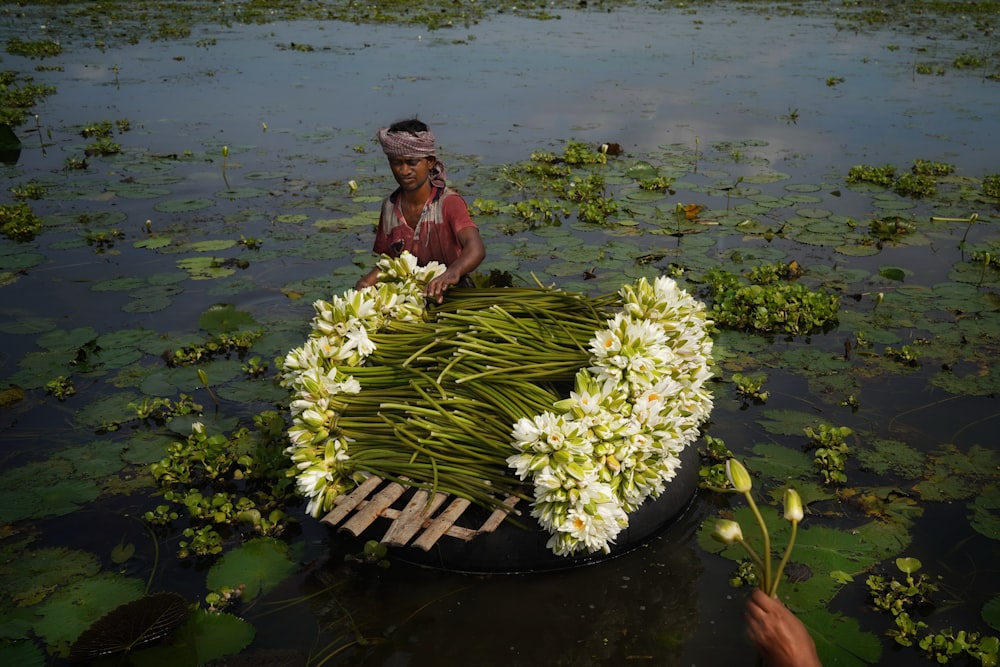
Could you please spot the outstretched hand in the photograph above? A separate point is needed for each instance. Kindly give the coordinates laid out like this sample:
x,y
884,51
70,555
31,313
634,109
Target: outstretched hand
x,y
438,285
778,634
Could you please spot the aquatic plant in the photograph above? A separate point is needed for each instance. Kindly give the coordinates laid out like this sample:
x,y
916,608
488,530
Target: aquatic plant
x,y
884,175
60,387
221,344
914,185
18,222
750,389
17,100
223,484
991,185
44,48
30,190
830,457
788,307
712,471
913,596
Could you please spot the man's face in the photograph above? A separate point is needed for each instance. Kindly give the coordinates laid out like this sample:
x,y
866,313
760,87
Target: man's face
x,y
411,172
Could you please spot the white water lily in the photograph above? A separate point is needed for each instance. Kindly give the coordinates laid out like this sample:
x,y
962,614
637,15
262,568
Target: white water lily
x,y
340,338
642,401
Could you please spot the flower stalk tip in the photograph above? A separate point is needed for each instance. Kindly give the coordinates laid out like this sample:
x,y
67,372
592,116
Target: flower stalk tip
x,y
793,506
794,513
728,531
738,476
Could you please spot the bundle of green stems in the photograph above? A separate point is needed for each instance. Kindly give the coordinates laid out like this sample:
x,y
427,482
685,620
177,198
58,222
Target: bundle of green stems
x,y
439,397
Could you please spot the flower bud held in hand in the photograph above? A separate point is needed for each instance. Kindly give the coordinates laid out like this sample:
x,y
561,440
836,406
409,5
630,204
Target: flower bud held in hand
x,y
794,513
728,532
738,476
793,506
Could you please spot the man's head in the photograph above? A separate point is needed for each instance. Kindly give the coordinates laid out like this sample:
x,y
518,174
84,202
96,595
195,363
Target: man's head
x,y
407,139
407,142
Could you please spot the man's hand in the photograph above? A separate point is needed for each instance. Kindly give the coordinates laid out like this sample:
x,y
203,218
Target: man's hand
x,y
368,280
779,635
436,288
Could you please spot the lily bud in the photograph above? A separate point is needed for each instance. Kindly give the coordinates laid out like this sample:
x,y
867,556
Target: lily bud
x,y
727,531
738,476
793,506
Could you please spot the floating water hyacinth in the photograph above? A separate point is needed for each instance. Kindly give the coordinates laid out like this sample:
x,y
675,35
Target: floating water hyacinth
x,y
469,397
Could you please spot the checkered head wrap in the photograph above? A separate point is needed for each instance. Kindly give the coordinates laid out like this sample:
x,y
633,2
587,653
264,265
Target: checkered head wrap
x,y
409,145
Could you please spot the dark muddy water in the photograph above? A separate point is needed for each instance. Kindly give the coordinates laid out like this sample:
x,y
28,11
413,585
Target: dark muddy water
x,y
298,126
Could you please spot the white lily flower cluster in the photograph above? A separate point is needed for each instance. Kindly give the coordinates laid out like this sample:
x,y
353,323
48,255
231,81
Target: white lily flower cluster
x,y
340,339
616,441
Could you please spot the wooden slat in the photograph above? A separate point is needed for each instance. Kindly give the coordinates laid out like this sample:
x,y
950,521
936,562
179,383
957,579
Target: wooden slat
x,y
357,513
460,532
420,508
344,505
373,508
440,524
495,519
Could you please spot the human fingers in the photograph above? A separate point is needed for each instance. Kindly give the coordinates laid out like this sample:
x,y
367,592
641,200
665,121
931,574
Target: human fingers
x,y
436,288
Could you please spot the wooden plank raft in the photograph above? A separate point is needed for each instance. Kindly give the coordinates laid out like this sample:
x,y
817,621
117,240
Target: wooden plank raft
x,y
417,518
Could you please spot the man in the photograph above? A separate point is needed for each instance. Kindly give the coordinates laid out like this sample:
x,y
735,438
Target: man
x,y
423,215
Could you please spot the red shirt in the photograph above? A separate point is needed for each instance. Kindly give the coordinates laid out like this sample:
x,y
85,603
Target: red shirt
x,y
435,238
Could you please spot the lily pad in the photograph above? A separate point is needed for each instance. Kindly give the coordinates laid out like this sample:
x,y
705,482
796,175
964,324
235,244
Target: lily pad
x,y
779,462
205,268
29,575
840,640
132,624
224,318
893,273
206,636
72,609
259,565
184,205
786,422
153,242
23,653
145,447
991,613
94,460
883,456
985,517
212,246
112,408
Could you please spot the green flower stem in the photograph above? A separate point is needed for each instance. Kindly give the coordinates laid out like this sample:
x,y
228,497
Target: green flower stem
x,y
416,355
540,370
753,554
767,541
784,559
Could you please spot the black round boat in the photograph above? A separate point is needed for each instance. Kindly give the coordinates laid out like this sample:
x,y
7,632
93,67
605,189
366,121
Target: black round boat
x,y
515,549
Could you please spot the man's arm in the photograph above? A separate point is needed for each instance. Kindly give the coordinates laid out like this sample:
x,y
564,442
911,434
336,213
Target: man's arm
x,y
473,254
368,279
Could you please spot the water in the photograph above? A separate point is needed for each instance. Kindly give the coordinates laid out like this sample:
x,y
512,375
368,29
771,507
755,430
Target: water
x,y
299,126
